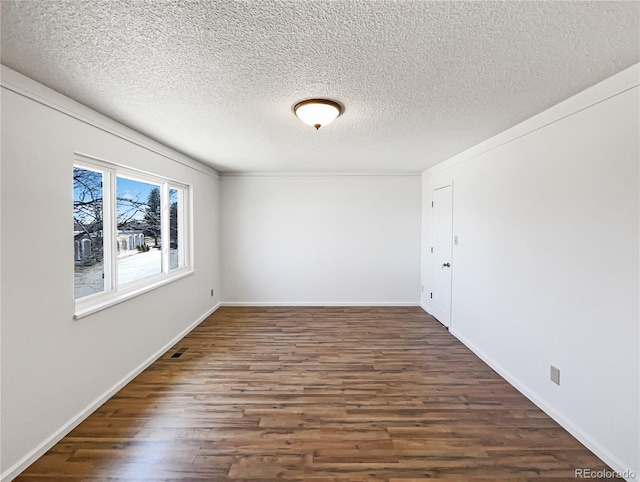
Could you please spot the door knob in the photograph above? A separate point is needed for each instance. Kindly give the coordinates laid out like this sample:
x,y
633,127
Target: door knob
x,y
446,265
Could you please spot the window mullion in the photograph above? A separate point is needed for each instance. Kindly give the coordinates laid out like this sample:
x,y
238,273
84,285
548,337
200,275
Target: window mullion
x,y
110,230
113,221
180,214
164,226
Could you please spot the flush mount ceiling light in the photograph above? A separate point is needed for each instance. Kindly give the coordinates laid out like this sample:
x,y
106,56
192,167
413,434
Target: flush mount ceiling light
x,y
317,112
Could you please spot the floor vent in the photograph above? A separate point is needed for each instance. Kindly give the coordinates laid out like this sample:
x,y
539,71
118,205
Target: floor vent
x,y
179,353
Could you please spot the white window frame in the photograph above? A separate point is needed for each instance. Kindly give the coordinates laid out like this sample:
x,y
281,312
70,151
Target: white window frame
x,y
182,212
113,293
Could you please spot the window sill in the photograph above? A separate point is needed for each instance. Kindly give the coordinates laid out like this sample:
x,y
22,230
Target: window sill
x,y
104,300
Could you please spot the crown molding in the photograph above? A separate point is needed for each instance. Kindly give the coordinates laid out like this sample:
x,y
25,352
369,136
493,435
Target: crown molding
x,y
29,88
303,174
617,84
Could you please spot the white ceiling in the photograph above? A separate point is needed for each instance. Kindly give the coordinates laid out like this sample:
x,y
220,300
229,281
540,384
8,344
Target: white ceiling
x,y
420,80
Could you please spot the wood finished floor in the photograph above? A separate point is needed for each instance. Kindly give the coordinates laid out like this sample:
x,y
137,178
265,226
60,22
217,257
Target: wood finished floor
x,y
317,394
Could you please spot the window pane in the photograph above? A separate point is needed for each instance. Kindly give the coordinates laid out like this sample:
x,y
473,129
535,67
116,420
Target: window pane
x,y
138,222
174,240
87,232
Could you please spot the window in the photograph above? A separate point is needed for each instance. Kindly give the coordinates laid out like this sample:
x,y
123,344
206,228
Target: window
x,y
139,222
88,248
130,233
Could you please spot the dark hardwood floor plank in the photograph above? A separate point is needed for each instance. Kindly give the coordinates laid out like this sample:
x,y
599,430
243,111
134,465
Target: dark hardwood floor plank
x,y
317,394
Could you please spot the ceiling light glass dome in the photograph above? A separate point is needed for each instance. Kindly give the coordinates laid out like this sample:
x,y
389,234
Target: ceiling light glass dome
x,y
317,112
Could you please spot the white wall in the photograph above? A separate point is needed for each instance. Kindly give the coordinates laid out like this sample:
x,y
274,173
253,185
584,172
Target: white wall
x,y
323,239
55,369
547,266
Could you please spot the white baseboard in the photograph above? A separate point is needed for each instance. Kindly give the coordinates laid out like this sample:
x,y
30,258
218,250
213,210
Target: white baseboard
x,y
601,452
15,470
320,303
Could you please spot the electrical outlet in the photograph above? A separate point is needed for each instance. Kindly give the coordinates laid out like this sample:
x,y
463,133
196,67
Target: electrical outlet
x,y
211,291
555,375
455,240
422,288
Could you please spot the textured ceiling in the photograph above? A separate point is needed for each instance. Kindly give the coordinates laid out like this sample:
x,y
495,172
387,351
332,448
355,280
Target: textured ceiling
x,y
420,80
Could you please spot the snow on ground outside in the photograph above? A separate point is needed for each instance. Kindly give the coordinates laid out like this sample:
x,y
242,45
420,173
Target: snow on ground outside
x,y
131,267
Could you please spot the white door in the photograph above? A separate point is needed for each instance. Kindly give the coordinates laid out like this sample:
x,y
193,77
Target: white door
x,y
442,215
